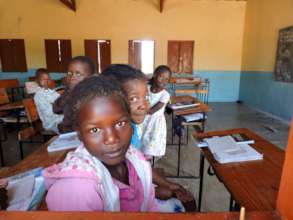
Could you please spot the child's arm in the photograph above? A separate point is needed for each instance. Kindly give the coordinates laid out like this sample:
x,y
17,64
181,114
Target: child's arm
x,y
174,188
162,102
156,108
74,194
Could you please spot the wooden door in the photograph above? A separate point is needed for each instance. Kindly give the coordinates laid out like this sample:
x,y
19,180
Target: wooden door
x,y
180,56
66,55
58,55
91,51
19,55
134,54
173,55
52,55
186,57
12,55
105,54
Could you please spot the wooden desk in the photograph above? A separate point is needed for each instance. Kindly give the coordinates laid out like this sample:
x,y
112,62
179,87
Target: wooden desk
x,y
39,158
134,216
12,106
202,108
253,184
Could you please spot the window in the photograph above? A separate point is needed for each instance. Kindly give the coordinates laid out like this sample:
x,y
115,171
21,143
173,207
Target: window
x,y
100,52
180,56
58,55
141,54
12,55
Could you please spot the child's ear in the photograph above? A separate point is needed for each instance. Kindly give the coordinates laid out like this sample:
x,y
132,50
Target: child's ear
x,y
79,134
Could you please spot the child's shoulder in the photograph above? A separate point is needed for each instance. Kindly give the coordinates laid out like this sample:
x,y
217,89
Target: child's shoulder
x,y
75,165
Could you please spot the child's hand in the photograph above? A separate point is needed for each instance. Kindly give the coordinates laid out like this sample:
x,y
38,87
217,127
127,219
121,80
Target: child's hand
x,y
182,194
163,193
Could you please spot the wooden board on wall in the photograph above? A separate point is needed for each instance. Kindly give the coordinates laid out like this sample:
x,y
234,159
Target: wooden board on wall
x,y
284,58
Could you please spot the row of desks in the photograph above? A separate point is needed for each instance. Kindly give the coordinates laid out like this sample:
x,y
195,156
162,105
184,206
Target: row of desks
x,y
253,185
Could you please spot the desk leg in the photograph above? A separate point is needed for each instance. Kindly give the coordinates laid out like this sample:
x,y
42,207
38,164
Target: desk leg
x,y
203,122
179,154
231,205
201,174
1,154
172,124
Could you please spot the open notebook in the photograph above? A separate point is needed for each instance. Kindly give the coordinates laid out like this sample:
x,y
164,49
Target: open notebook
x,y
182,105
226,150
25,190
64,142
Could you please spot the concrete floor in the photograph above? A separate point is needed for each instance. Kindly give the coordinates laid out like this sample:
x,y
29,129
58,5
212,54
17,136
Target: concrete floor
x,y
222,116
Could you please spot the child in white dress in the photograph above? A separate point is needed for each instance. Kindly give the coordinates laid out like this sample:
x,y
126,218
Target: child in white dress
x,y
155,129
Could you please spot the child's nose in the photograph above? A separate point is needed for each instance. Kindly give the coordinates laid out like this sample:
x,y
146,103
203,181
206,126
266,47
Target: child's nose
x,y
111,136
144,104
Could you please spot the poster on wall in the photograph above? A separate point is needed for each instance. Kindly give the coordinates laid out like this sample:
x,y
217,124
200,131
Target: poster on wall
x,y
284,60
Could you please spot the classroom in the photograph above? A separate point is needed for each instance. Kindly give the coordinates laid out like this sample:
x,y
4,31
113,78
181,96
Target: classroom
x,y
186,101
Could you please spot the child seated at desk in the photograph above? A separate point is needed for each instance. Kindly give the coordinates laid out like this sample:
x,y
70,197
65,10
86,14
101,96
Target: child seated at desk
x,y
44,99
105,173
79,68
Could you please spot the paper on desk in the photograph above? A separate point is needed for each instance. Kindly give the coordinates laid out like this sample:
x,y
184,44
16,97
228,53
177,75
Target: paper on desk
x,y
222,144
64,142
20,189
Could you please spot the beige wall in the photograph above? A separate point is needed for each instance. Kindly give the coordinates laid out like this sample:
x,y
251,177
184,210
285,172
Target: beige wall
x,y
215,26
264,18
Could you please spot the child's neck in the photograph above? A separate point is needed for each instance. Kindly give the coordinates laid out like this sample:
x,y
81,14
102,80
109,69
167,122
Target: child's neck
x,y
155,89
119,172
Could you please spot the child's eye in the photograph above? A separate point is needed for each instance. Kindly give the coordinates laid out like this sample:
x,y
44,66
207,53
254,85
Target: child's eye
x,y
94,130
133,99
120,124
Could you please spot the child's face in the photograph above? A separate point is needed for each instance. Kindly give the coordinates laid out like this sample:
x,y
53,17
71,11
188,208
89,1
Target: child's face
x,y
161,80
44,80
105,129
137,95
77,71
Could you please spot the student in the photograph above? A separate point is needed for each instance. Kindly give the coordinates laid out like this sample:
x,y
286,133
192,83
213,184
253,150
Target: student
x,y
155,129
79,68
44,99
33,86
134,83
103,174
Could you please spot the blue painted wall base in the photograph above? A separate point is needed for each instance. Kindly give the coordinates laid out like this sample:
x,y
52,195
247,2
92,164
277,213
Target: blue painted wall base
x,y
261,91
